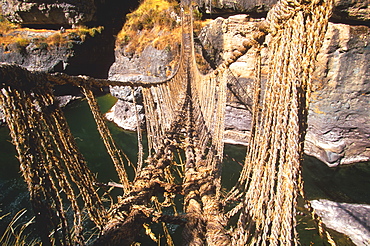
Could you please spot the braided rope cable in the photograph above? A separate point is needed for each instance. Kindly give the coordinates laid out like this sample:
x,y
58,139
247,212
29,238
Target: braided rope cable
x,y
269,183
117,156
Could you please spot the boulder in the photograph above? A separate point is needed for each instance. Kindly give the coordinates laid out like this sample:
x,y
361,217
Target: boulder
x,y
123,112
151,65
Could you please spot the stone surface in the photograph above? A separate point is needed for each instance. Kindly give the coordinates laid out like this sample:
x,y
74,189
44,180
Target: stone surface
x,y
46,12
150,65
351,10
338,121
62,101
250,6
352,220
131,66
123,112
35,57
92,57
74,55
339,118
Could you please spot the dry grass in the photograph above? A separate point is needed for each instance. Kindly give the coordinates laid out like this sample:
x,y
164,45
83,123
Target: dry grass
x,y
155,22
84,32
15,233
14,38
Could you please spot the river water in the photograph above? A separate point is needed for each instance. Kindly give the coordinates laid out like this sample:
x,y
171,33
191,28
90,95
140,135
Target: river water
x,y
343,184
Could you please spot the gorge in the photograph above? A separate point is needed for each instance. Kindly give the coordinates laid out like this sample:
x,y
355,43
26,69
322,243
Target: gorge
x,y
338,131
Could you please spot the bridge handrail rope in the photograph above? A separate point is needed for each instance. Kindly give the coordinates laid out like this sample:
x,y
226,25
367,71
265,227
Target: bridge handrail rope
x,y
269,184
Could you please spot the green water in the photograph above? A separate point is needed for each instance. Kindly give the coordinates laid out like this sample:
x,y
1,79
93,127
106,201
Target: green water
x,y
342,184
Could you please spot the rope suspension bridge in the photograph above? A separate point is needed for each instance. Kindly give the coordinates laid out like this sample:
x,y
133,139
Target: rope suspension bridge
x,y
184,114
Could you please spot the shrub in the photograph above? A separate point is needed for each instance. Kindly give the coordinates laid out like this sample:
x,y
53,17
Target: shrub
x,y
83,31
93,31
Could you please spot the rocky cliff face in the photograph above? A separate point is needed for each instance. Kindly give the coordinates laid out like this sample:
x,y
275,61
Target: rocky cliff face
x,y
339,119
352,220
46,12
123,112
39,56
89,56
72,54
